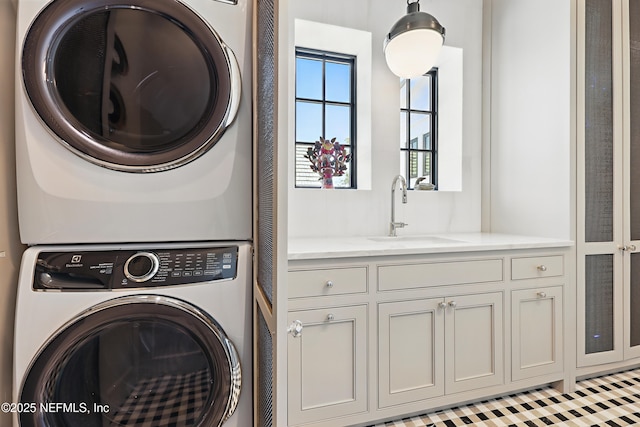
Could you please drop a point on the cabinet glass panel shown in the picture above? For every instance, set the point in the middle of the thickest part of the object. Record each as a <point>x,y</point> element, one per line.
<point>598,303</point>
<point>634,92</point>
<point>598,122</point>
<point>634,300</point>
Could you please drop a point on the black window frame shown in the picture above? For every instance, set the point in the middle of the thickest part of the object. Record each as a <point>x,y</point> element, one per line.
<point>327,56</point>
<point>406,148</point>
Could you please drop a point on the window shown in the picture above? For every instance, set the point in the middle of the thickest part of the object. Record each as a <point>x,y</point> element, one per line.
<point>325,106</point>
<point>418,128</point>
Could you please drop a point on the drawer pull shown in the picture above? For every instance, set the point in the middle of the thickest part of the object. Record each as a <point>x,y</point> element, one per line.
<point>330,317</point>
<point>542,267</point>
<point>542,294</point>
<point>442,305</point>
<point>453,304</point>
<point>329,284</point>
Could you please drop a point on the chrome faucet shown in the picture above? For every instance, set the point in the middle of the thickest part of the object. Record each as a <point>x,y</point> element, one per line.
<point>393,226</point>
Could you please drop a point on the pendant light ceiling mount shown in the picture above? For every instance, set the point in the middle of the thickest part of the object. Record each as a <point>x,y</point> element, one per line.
<point>412,45</point>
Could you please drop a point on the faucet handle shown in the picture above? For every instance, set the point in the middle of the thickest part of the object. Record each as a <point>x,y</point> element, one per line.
<point>399,224</point>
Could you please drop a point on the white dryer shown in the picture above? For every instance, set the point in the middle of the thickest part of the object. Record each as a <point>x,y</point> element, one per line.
<point>134,336</point>
<point>133,120</point>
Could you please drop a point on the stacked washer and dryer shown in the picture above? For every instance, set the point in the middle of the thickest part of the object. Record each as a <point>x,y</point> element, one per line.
<point>133,144</point>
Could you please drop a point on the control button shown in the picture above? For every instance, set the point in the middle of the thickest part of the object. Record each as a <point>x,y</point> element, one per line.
<point>187,274</point>
<point>176,274</point>
<point>197,273</point>
<point>141,266</point>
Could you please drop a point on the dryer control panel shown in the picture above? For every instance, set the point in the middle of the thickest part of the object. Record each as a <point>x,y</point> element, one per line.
<point>127,269</point>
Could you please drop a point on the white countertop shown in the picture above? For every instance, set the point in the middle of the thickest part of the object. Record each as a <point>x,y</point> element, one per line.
<point>345,247</point>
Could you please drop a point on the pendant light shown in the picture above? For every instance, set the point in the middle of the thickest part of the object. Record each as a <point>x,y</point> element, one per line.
<point>412,46</point>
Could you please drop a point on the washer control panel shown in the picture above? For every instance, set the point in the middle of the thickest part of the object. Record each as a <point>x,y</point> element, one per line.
<point>126,269</point>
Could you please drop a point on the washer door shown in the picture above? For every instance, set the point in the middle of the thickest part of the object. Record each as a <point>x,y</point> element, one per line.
<point>134,361</point>
<point>137,86</point>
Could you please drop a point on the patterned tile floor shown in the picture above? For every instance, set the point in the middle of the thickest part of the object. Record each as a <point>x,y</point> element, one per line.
<point>168,401</point>
<point>611,400</point>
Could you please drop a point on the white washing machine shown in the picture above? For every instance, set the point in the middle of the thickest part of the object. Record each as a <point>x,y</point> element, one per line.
<point>133,120</point>
<point>134,336</point>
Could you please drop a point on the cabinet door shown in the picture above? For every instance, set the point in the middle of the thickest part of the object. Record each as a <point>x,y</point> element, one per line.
<point>474,342</point>
<point>536,334</point>
<point>601,197</point>
<point>410,351</point>
<point>632,173</point>
<point>328,364</point>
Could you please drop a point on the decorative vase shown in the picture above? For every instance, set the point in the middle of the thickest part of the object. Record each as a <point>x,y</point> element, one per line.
<point>327,182</point>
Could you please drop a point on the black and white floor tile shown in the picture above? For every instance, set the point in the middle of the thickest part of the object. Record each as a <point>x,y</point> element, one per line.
<point>169,401</point>
<point>612,400</point>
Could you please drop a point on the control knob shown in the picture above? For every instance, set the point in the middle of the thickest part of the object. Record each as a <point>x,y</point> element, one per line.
<point>141,266</point>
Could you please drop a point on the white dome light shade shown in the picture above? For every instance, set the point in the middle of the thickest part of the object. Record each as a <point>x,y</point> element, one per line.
<point>413,53</point>
<point>414,42</point>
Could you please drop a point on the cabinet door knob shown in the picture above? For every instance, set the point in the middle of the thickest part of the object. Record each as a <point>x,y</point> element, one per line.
<point>442,305</point>
<point>542,294</point>
<point>330,317</point>
<point>295,329</point>
<point>453,304</point>
<point>542,267</point>
<point>329,284</point>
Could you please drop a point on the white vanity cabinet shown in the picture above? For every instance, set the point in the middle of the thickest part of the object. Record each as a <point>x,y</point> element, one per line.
<point>537,316</point>
<point>436,346</point>
<point>327,355</point>
<point>384,336</point>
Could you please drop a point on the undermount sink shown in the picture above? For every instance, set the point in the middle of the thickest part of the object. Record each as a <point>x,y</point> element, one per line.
<point>413,238</point>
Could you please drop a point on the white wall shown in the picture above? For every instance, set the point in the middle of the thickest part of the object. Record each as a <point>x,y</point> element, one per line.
<point>9,240</point>
<point>531,95</point>
<point>348,212</point>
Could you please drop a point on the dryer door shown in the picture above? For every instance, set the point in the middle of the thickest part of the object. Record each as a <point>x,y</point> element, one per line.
<point>134,361</point>
<point>136,86</point>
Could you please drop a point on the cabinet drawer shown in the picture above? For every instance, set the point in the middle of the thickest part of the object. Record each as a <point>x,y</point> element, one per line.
<point>331,281</point>
<point>534,267</point>
<point>409,276</point>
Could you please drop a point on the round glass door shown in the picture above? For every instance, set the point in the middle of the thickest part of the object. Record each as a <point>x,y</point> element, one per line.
<point>142,86</point>
<point>134,361</point>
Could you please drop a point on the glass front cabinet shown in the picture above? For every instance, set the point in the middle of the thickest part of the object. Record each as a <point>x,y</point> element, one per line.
<point>608,234</point>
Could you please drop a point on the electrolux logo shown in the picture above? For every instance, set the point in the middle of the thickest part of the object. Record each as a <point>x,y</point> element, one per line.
<point>75,262</point>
